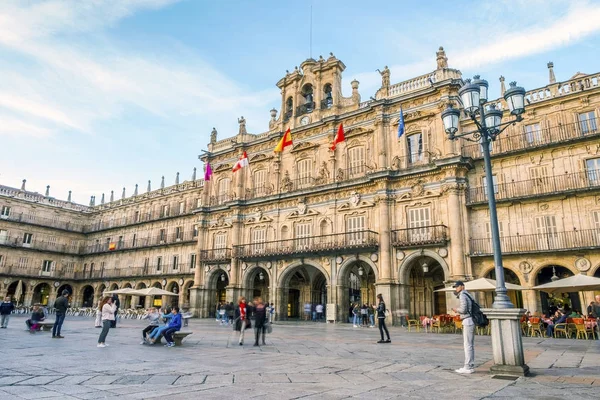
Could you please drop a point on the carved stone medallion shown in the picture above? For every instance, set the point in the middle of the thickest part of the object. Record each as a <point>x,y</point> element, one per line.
<point>583,264</point>
<point>525,267</point>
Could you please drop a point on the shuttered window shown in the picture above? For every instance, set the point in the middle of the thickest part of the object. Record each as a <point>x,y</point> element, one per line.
<point>356,161</point>
<point>259,236</point>
<point>419,222</point>
<point>219,245</point>
<point>533,133</point>
<point>304,173</point>
<point>302,235</point>
<point>355,227</point>
<point>260,182</point>
<point>415,147</point>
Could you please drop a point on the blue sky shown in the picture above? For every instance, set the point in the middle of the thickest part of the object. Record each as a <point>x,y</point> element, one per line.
<point>100,95</point>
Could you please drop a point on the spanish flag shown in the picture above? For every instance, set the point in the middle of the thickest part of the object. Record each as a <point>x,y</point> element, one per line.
<point>285,141</point>
<point>112,246</point>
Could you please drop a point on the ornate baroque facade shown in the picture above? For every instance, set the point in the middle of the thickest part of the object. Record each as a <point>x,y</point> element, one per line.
<point>380,214</point>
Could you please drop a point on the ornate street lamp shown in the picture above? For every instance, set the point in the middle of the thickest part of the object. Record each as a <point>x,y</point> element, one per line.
<point>261,276</point>
<point>488,120</point>
<point>223,278</point>
<point>361,271</point>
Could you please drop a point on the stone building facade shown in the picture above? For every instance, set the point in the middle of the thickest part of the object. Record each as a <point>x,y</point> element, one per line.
<point>402,216</point>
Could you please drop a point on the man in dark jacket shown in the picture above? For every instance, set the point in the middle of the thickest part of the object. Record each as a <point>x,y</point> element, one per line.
<point>6,308</point>
<point>260,320</point>
<point>60,305</point>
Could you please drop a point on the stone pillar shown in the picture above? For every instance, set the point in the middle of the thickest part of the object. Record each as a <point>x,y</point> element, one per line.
<point>530,300</point>
<point>381,143</point>
<point>457,230</point>
<point>385,264</point>
<point>507,345</point>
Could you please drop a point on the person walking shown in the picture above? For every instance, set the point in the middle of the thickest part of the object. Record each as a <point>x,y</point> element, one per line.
<point>6,308</point>
<point>381,320</point>
<point>241,318</point>
<point>364,315</point>
<point>464,310</point>
<point>229,310</point>
<point>355,315</point>
<point>260,320</point>
<point>60,305</point>
<point>108,316</point>
<point>271,313</point>
<point>372,315</point>
<point>117,304</point>
<point>319,310</point>
<point>173,326</point>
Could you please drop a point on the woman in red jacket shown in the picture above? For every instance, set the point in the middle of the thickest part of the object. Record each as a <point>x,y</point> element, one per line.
<point>241,318</point>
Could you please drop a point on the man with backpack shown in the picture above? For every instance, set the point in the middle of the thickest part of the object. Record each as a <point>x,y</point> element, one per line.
<point>465,312</point>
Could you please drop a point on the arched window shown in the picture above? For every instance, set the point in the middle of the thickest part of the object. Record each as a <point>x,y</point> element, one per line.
<point>289,109</point>
<point>223,194</point>
<point>307,93</point>
<point>415,148</point>
<point>304,173</point>
<point>356,161</point>
<point>327,101</point>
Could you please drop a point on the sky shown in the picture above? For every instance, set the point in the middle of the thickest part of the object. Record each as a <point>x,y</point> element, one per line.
<point>98,95</point>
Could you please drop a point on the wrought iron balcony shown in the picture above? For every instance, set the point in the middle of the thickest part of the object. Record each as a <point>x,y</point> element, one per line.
<point>135,272</point>
<point>540,242</point>
<point>215,255</point>
<point>421,236</point>
<point>335,243</point>
<point>15,270</point>
<point>298,183</point>
<point>220,199</point>
<point>585,180</point>
<point>32,219</point>
<point>514,142</point>
<point>137,243</point>
<point>305,108</point>
<point>260,191</point>
<point>40,244</point>
<point>412,160</point>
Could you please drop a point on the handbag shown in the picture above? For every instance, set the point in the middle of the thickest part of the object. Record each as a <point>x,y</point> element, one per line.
<point>248,323</point>
<point>269,328</point>
<point>237,325</point>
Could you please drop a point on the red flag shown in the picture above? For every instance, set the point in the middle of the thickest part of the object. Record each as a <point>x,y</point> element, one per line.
<point>339,137</point>
<point>241,163</point>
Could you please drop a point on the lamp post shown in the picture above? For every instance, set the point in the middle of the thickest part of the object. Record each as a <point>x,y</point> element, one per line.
<point>506,334</point>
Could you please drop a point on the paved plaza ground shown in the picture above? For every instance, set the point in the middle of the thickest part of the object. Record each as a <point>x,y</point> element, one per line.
<point>301,361</point>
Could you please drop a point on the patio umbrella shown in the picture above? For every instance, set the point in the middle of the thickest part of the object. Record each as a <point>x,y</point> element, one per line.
<point>483,285</point>
<point>126,291</point>
<point>19,291</point>
<point>575,283</point>
<point>152,291</point>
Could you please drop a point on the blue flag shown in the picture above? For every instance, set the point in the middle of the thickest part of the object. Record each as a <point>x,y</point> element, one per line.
<point>401,124</point>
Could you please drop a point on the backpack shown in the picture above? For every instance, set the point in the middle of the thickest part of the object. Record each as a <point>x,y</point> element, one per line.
<point>479,318</point>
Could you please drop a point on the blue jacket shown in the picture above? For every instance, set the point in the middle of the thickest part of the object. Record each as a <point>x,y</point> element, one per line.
<point>175,321</point>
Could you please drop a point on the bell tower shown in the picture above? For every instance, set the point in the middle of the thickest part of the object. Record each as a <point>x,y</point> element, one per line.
<point>311,91</point>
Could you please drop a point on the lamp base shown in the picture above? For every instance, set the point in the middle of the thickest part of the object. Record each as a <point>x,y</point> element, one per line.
<point>507,345</point>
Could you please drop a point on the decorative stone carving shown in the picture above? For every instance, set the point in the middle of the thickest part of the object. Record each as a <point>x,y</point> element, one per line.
<point>400,255</point>
<point>339,259</point>
<point>443,252</point>
<point>302,206</point>
<point>374,257</point>
<point>242,122</point>
<point>418,188</point>
<point>385,77</point>
<point>525,267</point>
<point>213,136</point>
<point>286,182</point>
<point>442,60</point>
<point>340,175</point>
<point>583,264</point>
<point>354,198</point>
<point>323,176</point>
<point>544,207</point>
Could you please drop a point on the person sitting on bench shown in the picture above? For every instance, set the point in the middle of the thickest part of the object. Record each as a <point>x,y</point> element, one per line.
<point>37,316</point>
<point>174,326</point>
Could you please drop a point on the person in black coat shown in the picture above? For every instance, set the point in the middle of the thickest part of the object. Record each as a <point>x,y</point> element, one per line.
<point>260,320</point>
<point>113,324</point>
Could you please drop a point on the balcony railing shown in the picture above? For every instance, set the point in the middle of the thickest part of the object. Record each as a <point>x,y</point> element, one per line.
<point>305,108</point>
<point>412,160</point>
<point>160,240</point>
<point>15,270</point>
<point>151,270</point>
<point>421,236</point>
<point>42,245</point>
<point>43,221</point>
<point>540,242</point>
<point>338,242</point>
<point>538,186</point>
<point>260,191</point>
<point>215,254</point>
<point>220,199</point>
<point>513,142</point>
<point>120,222</point>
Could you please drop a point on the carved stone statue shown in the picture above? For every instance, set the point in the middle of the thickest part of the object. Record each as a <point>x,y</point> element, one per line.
<point>442,60</point>
<point>242,122</point>
<point>213,136</point>
<point>323,173</point>
<point>286,182</point>
<point>340,175</point>
<point>385,77</point>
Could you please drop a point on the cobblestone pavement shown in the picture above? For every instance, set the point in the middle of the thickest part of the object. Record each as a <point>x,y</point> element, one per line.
<point>302,360</point>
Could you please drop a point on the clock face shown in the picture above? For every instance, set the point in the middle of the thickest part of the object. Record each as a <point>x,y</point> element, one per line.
<point>305,120</point>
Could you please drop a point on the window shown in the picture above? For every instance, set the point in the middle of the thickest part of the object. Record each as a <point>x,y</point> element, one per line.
<point>304,173</point>
<point>587,122</point>
<point>259,236</point>
<point>159,263</point>
<point>223,195</point>
<point>356,161</point>
<point>52,240</point>
<point>179,233</point>
<point>3,236</point>
<point>419,220</point>
<point>5,212</point>
<point>488,230</point>
<point>547,233</point>
<point>136,216</point>
<point>146,264</point>
<point>133,240</point>
<point>192,260</point>
<point>181,207</point>
<point>484,183</point>
<point>175,262</point>
<point>27,238</point>
<point>195,231</point>
<point>30,217</point>
<point>415,147</point>
<point>1,259</point>
<point>539,178</point>
<point>198,202</point>
<point>303,234</point>
<point>355,227</point>
<point>592,167</point>
<point>162,236</point>
<point>219,245</point>
<point>596,219</point>
<point>23,261</point>
<point>164,211</point>
<point>260,182</point>
<point>533,133</point>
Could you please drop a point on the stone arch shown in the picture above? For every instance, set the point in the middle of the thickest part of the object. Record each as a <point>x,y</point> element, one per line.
<point>41,293</point>
<point>248,274</point>
<point>214,274</point>
<point>87,296</point>
<point>11,289</point>
<point>127,285</point>
<point>292,295</point>
<point>536,270</point>
<point>595,271</point>
<point>254,285</point>
<point>113,286</point>
<point>286,274</point>
<point>348,262</point>
<point>67,287</point>
<point>140,301</point>
<point>516,296</point>
<point>173,286</point>
<point>185,298</point>
<point>406,265</point>
<point>517,273</point>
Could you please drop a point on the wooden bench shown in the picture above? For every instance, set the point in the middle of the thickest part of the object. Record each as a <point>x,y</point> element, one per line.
<point>177,337</point>
<point>46,325</point>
